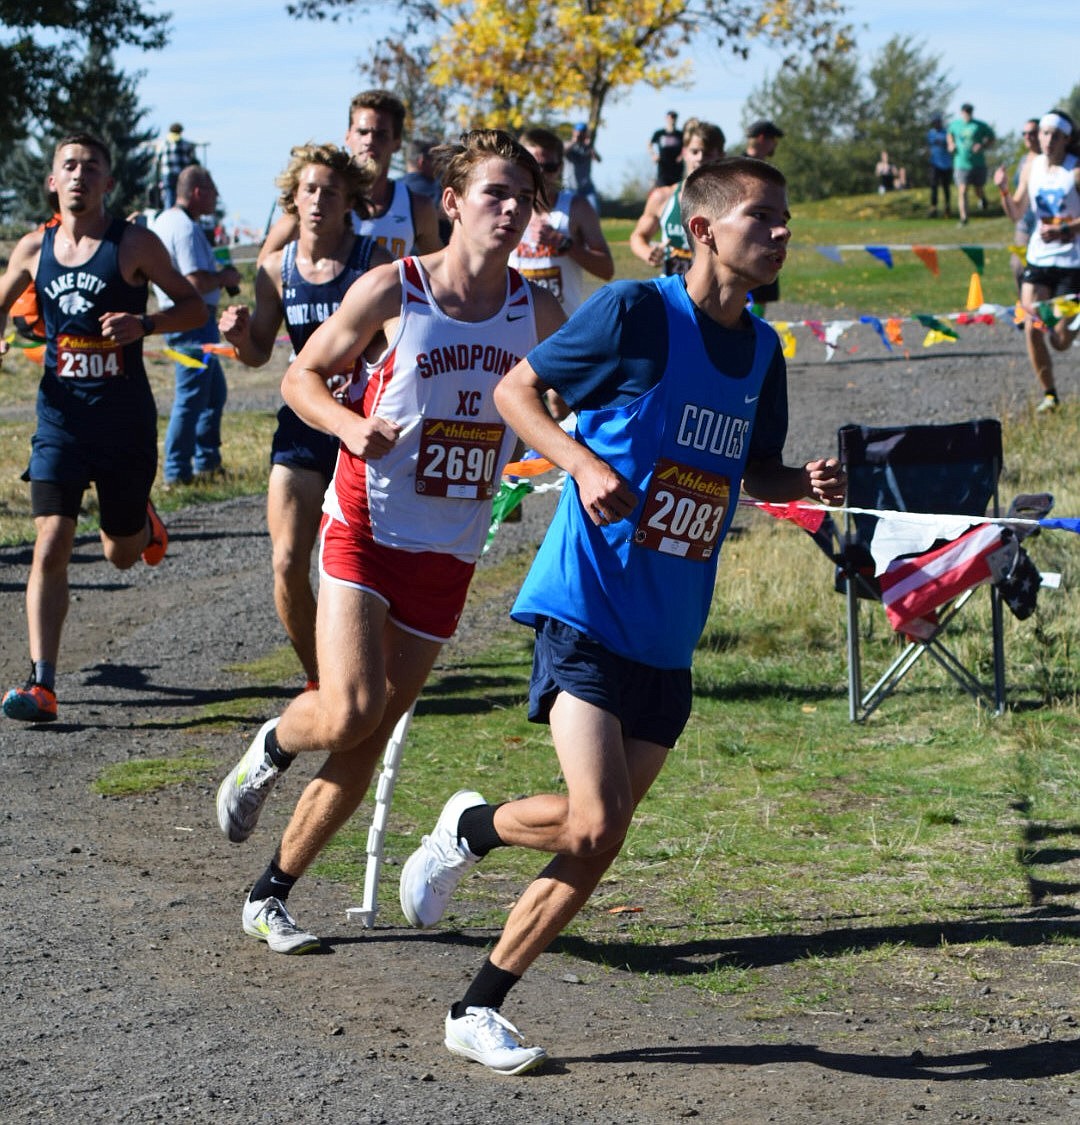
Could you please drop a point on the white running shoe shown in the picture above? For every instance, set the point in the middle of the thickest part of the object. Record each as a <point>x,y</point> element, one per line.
<point>436,867</point>
<point>268,920</point>
<point>241,796</point>
<point>485,1036</point>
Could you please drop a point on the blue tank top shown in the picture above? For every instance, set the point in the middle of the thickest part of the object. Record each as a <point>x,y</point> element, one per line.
<point>307,304</point>
<point>89,383</point>
<point>642,587</point>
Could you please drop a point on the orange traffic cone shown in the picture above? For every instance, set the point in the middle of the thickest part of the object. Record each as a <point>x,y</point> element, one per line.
<point>975,294</point>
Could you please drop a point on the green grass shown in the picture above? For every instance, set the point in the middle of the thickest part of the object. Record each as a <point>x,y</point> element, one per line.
<point>861,282</point>
<point>135,778</point>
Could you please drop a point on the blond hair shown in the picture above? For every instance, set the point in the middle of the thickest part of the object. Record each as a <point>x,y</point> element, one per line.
<point>357,178</point>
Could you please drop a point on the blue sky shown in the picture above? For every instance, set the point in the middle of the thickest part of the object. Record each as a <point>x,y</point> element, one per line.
<point>249,82</point>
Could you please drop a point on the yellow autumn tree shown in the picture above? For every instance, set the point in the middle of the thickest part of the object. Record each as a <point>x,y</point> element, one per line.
<point>511,61</point>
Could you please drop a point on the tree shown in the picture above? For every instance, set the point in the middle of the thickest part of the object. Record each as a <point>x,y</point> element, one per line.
<point>103,101</point>
<point>1071,104</point>
<point>836,121</point>
<point>510,61</point>
<point>906,89</point>
<point>822,113</point>
<point>42,43</point>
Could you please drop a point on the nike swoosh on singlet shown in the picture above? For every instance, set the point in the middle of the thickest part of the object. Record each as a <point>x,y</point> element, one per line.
<point>749,400</point>
<point>513,318</point>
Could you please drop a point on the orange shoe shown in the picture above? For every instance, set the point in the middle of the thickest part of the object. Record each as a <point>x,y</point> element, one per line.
<point>31,704</point>
<point>154,551</point>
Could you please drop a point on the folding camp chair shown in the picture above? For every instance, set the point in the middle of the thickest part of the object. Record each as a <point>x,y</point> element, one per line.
<point>948,469</point>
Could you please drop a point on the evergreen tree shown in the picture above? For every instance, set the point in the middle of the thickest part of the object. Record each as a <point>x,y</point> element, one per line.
<point>41,47</point>
<point>100,100</point>
<point>822,112</point>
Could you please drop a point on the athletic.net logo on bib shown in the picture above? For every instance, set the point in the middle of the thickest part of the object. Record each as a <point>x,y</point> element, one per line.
<point>458,459</point>
<point>88,357</point>
<point>683,511</point>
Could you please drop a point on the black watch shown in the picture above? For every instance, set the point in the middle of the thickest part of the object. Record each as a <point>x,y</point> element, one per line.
<point>147,325</point>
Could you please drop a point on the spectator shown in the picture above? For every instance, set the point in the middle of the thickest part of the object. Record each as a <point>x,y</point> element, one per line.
<point>420,179</point>
<point>420,176</point>
<point>762,138</point>
<point>174,155</point>
<point>937,142</point>
<point>969,139</point>
<point>580,155</point>
<point>193,439</point>
<point>665,147</point>
<point>886,173</point>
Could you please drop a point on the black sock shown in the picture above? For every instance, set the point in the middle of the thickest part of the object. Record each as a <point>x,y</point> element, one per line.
<point>477,828</point>
<point>488,990</point>
<point>272,883</point>
<point>281,758</point>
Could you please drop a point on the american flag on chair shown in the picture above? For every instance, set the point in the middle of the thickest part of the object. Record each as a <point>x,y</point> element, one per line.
<point>912,588</point>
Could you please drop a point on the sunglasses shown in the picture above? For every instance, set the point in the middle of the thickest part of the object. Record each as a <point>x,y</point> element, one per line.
<point>550,165</point>
<point>1031,132</point>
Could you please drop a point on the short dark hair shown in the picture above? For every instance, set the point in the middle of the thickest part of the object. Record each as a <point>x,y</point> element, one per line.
<point>457,162</point>
<point>967,107</point>
<point>382,101</point>
<point>420,147</point>
<point>87,140</point>
<point>717,187</point>
<point>543,138</point>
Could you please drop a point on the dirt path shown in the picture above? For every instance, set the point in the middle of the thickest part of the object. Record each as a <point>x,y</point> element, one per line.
<point>131,994</point>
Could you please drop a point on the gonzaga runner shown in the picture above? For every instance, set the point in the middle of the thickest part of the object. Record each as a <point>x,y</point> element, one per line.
<point>303,284</point>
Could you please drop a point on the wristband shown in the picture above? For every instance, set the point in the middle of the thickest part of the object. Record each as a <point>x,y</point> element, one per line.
<point>147,324</point>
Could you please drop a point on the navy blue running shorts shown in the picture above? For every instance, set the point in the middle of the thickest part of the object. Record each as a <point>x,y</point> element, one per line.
<point>1057,279</point>
<point>60,474</point>
<point>300,446</point>
<point>652,704</point>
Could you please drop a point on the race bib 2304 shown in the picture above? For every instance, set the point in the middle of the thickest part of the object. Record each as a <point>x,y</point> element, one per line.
<point>88,357</point>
